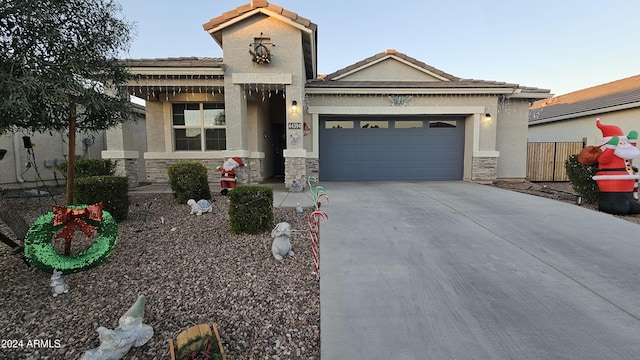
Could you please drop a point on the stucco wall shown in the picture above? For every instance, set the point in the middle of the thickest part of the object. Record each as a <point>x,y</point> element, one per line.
<point>155,123</point>
<point>584,127</point>
<point>389,70</point>
<point>48,150</point>
<point>511,139</point>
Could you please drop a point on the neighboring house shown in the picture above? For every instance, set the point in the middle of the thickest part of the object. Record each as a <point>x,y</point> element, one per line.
<point>387,117</point>
<point>28,167</point>
<point>572,117</point>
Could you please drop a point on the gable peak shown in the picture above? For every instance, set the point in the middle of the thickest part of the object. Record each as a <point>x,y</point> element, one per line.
<point>259,3</point>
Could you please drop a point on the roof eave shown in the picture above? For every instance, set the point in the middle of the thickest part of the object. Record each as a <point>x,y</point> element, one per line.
<point>216,31</point>
<point>377,61</point>
<point>585,113</point>
<point>407,90</point>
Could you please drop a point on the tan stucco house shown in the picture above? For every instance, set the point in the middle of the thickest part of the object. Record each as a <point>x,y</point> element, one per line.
<point>572,116</point>
<point>387,117</point>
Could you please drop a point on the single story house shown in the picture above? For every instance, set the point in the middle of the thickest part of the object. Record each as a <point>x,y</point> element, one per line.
<point>572,117</point>
<point>387,117</point>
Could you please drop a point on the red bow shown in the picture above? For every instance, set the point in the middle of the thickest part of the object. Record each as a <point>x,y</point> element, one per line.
<point>74,218</point>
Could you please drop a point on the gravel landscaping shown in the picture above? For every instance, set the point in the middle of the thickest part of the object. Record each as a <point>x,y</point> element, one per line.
<point>561,191</point>
<point>190,268</point>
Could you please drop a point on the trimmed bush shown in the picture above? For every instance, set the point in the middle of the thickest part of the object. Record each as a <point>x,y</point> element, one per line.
<point>251,209</point>
<point>112,191</point>
<point>189,180</point>
<point>90,167</point>
<point>581,179</point>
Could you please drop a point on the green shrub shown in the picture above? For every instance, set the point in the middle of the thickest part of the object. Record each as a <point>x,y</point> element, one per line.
<point>189,180</point>
<point>112,191</point>
<point>581,179</point>
<point>251,209</point>
<point>90,167</point>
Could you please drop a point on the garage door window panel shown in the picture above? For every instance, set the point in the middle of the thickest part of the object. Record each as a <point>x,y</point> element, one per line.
<point>409,124</point>
<point>338,124</point>
<point>374,124</point>
<point>443,124</point>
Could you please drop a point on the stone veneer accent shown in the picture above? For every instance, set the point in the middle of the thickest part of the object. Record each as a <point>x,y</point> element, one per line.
<point>157,169</point>
<point>295,170</point>
<point>128,168</point>
<point>484,169</point>
<point>313,168</point>
<point>256,170</point>
<point>253,171</point>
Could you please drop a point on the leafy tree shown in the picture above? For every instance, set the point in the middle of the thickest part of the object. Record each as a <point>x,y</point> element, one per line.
<point>59,67</point>
<point>55,53</point>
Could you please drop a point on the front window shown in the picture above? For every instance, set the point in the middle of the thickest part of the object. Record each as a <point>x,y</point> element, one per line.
<point>192,120</point>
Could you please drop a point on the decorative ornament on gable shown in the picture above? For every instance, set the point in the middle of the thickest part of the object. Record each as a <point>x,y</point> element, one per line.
<point>399,100</point>
<point>259,50</point>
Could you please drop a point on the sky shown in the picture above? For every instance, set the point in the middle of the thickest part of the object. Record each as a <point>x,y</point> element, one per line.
<point>560,45</point>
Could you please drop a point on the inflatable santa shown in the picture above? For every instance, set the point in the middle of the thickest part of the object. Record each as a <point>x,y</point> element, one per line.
<point>228,177</point>
<point>617,179</point>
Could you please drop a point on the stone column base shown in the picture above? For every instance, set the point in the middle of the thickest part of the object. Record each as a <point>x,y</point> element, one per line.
<point>295,173</point>
<point>485,169</point>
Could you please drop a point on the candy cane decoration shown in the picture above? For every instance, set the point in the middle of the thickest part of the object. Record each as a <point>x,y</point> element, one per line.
<point>317,192</point>
<point>315,218</point>
<point>633,140</point>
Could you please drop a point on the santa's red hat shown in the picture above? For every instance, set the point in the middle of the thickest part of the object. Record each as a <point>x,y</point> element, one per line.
<point>238,161</point>
<point>609,131</point>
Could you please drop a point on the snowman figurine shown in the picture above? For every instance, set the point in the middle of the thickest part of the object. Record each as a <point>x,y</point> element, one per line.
<point>58,286</point>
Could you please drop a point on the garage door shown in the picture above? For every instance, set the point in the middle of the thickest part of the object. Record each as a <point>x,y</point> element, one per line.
<point>382,149</point>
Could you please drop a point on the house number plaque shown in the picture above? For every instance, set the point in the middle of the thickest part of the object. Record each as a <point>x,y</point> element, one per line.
<point>294,125</point>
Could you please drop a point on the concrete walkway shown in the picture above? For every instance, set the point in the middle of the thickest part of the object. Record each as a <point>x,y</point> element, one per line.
<point>454,270</point>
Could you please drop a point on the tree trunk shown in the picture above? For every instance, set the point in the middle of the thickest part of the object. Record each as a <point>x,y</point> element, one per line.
<point>72,152</point>
<point>71,165</point>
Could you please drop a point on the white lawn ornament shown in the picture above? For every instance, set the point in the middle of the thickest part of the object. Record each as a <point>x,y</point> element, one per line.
<point>58,285</point>
<point>202,206</point>
<point>281,245</point>
<point>114,344</point>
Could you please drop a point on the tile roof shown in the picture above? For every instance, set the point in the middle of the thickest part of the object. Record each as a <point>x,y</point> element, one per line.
<point>614,87</point>
<point>175,62</point>
<point>332,80</point>
<point>600,98</point>
<point>387,53</point>
<point>309,36</point>
<point>257,4</point>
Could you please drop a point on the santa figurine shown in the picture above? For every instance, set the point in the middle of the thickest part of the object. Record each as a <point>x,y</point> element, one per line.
<point>228,177</point>
<point>617,179</point>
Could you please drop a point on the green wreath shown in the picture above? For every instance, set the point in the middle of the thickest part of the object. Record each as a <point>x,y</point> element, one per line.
<point>39,250</point>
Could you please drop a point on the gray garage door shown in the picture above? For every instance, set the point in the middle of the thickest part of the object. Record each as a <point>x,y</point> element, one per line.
<point>379,149</point>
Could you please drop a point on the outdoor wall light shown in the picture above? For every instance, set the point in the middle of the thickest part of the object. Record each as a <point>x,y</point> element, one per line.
<point>487,118</point>
<point>294,106</point>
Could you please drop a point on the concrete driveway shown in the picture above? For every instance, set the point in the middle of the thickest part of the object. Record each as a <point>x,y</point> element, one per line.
<point>454,270</point>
